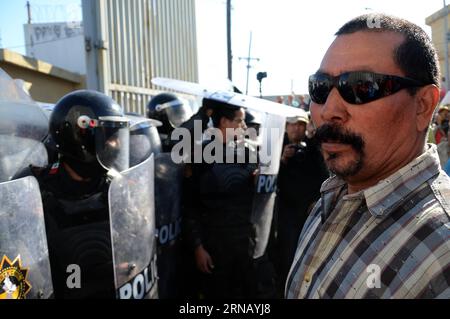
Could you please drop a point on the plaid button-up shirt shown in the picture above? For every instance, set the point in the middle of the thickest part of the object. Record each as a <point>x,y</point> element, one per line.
<point>391,240</point>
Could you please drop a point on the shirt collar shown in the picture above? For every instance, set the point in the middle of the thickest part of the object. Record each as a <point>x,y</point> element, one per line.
<point>382,198</point>
<point>385,196</point>
<point>331,190</point>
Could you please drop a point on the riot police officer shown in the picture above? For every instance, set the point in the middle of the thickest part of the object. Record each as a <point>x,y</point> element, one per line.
<point>91,136</point>
<point>174,273</point>
<point>24,265</point>
<point>218,202</point>
<point>175,112</point>
<point>171,111</point>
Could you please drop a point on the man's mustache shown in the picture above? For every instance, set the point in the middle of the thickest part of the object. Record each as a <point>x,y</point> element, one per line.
<point>338,134</point>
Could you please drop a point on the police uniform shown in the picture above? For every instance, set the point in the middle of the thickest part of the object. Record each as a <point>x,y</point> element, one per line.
<point>78,233</point>
<point>91,137</point>
<point>218,202</point>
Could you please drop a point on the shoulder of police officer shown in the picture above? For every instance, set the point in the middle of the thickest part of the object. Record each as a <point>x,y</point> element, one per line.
<point>30,170</point>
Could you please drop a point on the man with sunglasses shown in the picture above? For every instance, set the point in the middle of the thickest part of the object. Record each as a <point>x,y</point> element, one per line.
<point>381,228</point>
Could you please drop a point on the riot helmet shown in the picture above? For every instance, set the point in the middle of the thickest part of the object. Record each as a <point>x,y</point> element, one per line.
<point>170,110</point>
<point>89,127</point>
<point>144,138</point>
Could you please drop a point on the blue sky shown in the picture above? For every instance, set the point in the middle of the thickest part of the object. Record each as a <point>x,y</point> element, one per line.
<point>289,36</point>
<point>13,15</point>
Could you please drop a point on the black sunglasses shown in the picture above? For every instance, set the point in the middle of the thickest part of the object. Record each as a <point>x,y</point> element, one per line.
<point>357,87</point>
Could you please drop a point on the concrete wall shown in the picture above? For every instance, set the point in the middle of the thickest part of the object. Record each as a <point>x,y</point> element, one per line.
<point>130,42</point>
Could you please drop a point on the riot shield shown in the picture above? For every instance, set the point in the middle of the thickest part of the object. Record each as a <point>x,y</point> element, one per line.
<point>168,185</point>
<point>25,268</point>
<point>272,134</point>
<point>22,128</point>
<point>132,219</point>
<point>11,90</point>
<point>245,101</point>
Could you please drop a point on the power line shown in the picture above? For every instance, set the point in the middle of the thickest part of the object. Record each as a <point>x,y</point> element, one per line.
<point>47,13</point>
<point>31,10</point>
<point>43,42</point>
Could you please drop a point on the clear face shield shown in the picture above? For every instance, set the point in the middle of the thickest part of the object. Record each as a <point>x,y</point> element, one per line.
<point>177,112</point>
<point>144,140</point>
<point>112,140</point>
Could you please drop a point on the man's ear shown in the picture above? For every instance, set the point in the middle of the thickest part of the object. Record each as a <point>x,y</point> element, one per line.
<point>427,99</point>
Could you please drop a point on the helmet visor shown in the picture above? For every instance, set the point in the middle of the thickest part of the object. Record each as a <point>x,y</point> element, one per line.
<point>144,140</point>
<point>112,140</point>
<point>177,112</point>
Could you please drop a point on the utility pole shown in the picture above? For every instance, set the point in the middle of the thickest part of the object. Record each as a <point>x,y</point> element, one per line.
<point>29,12</point>
<point>97,63</point>
<point>229,53</point>
<point>29,49</point>
<point>446,35</point>
<point>249,58</point>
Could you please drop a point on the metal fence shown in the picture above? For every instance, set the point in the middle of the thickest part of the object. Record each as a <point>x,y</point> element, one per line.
<point>128,42</point>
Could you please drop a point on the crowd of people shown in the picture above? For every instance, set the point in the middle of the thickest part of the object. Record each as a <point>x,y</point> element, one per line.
<point>439,135</point>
